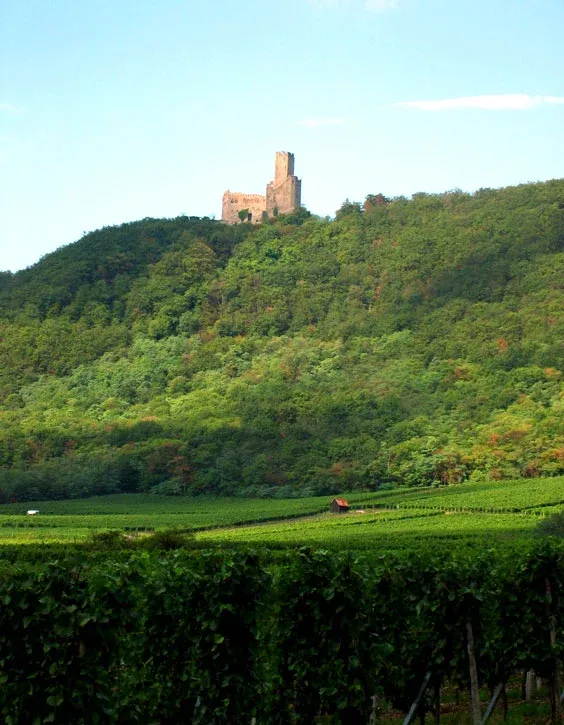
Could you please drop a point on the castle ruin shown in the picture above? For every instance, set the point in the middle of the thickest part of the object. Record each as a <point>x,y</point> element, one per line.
<point>283,195</point>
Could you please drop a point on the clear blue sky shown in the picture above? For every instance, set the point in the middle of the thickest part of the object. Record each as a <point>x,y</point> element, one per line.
<point>115,110</point>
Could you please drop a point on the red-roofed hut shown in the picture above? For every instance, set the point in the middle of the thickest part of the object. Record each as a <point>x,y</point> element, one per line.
<point>339,506</point>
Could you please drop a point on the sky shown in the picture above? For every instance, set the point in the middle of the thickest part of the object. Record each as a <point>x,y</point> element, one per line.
<point>117,110</point>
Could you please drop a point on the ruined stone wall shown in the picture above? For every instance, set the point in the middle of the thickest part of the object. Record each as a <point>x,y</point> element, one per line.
<point>283,194</point>
<point>234,202</point>
<point>283,166</point>
<point>283,198</point>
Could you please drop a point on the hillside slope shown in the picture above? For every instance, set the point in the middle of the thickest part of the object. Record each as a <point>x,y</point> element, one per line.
<point>406,342</point>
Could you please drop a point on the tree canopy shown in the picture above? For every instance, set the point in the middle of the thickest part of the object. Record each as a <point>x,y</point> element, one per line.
<point>406,342</point>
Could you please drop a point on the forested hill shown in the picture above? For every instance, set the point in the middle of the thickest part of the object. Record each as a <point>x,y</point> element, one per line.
<point>406,342</point>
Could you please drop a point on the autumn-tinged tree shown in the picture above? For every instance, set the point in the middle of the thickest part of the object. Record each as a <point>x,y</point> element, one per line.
<point>408,342</point>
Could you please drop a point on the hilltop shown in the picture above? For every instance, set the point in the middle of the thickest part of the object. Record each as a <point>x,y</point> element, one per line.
<point>406,342</point>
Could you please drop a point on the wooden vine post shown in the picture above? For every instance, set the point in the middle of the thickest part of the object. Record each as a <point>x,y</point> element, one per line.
<point>438,705</point>
<point>529,685</point>
<point>555,701</point>
<point>499,690</point>
<point>415,707</point>
<point>474,685</point>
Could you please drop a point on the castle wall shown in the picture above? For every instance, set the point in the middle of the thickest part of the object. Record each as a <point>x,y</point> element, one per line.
<point>234,202</point>
<point>283,194</point>
<point>283,167</point>
<point>284,197</point>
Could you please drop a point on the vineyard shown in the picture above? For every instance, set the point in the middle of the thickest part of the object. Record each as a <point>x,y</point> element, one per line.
<point>276,612</point>
<point>386,531</point>
<point>285,638</point>
<point>508,496</point>
<point>391,519</point>
<point>75,520</point>
<point>501,512</point>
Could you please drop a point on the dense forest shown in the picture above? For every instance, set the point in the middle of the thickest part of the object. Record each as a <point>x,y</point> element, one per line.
<point>405,342</point>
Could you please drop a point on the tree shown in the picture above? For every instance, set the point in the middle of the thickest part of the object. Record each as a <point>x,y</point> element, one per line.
<point>348,208</point>
<point>375,200</point>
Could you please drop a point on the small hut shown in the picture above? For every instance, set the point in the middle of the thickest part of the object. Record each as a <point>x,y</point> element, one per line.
<point>339,506</point>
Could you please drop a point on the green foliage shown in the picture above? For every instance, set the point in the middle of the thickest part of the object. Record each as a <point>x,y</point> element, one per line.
<point>326,646</point>
<point>552,526</point>
<point>296,217</point>
<point>408,342</point>
<point>348,208</point>
<point>107,540</point>
<point>62,642</point>
<point>200,638</point>
<point>504,513</point>
<point>215,636</point>
<point>167,539</point>
<point>117,521</point>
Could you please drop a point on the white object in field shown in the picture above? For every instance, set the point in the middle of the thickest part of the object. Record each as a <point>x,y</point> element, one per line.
<point>32,512</point>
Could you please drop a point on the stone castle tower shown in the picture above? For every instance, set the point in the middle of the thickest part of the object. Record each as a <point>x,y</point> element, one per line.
<point>283,195</point>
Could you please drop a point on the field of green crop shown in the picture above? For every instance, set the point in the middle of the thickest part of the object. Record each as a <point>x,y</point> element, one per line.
<point>507,496</point>
<point>395,530</point>
<point>501,510</point>
<point>430,543</point>
<point>496,512</point>
<point>74,520</point>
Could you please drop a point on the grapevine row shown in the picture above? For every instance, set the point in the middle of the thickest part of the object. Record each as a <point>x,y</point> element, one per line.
<point>224,636</point>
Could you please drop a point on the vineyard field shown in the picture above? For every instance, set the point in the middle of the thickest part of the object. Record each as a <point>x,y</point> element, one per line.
<point>390,530</point>
<point>512,496</point>
<point>394,519</point>
<point>305,636</point>
<point>267,591</point>
<point>75,520</point>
